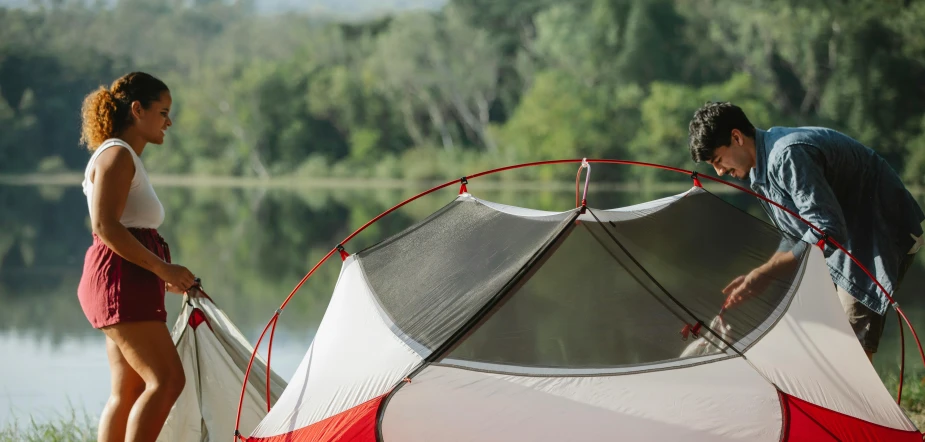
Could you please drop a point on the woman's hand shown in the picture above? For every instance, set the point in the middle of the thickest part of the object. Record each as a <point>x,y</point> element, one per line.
<point>178,278</point>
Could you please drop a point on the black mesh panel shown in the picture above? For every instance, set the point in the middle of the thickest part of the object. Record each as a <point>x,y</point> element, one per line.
<point>432,277</point>
<point>591,305</point>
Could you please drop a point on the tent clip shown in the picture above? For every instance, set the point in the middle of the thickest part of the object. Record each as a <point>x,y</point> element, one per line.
<point>822,241</point>
<point>696,330</point>
<point>343,253</point>
<point>685,332</point>
<point>581,200</point>
<point>584,197</point>
<point>462,187</point>
<point>691,330</point>
<point>696,180</point>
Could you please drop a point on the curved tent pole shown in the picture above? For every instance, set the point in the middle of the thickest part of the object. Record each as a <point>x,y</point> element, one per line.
<point>275,318</point>
<point>901,316</point>
<point>584,163</point>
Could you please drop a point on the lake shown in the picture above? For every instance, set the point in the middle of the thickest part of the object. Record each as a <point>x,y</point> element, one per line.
<point>250,246</point>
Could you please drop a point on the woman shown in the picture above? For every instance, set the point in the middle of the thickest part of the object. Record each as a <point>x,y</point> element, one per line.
<point>127,269</point>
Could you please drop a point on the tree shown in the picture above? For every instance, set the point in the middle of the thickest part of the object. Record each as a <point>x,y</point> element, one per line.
<point>442,68</point>
<point>843,64</point>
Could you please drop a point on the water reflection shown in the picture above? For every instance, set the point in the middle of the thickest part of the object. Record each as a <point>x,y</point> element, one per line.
<point>250,247</point>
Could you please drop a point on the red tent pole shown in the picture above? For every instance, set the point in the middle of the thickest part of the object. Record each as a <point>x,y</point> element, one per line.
<point>464,180</point>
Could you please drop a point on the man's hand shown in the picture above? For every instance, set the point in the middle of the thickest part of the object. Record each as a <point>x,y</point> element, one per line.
<point>780,266</point>
<point>746,286</point>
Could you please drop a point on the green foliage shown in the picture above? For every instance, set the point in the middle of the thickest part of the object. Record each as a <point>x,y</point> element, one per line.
<point>913,400</point>
<point>666,111</point>
<point>419,95</point>
<point>561,119</point>
<point>429,93</point>
<point>71,428</point>
<point>852,65</point>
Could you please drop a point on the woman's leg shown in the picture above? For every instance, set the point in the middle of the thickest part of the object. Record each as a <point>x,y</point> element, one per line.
<point>126,387</point>
<point>149,350</point>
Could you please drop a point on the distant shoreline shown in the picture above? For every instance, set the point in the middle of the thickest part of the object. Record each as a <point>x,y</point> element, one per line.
<point>294,183</point>
<point>162,180</point>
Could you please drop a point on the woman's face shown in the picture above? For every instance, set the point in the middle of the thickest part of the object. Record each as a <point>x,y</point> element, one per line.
<point>153,122</point>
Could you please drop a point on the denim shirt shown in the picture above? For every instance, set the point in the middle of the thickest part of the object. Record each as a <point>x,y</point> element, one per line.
<point>850,193</point>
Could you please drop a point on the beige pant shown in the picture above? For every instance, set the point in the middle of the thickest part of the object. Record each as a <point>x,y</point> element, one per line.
<point>867,324</point>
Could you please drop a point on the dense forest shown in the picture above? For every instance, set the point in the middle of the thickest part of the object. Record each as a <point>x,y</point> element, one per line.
<point>430,92</point>
<point>474,84</point>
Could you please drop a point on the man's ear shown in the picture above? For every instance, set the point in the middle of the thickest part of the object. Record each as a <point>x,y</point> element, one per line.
<point>737,138</point>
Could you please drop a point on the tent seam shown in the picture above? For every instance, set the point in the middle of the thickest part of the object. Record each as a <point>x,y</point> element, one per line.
<point>670,296</point>
<point>789,301</point>
<point>386,319</point>
<point>473,321</point>
<point>699,361</point>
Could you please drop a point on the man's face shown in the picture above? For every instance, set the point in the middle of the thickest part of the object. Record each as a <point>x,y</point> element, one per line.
<point>734,159</point>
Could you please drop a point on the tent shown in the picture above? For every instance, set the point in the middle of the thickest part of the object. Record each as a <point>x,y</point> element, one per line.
<point>215,356</point>
<point>490,322</point>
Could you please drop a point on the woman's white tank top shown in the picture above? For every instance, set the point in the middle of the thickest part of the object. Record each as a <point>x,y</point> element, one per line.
<point>142,209</point>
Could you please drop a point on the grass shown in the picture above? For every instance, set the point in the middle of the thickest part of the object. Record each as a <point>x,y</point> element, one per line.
<point>913,396</point>
<point>68,428</point>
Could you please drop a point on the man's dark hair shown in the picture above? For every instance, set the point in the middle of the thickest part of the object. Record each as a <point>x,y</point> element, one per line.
<point>712,127</point>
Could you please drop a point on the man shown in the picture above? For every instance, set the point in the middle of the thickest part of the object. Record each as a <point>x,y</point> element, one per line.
<point>835,183</point>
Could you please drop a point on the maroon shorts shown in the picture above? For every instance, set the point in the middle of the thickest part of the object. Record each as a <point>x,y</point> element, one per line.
<point>114,290</point>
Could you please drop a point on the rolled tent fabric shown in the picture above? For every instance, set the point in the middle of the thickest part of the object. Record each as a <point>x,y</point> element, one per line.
<point>215,355</point>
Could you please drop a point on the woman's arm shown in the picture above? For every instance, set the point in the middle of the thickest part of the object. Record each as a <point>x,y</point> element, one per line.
<point>112,179</point>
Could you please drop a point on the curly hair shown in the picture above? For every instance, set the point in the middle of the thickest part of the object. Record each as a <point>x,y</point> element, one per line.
<point>712,127</point>
<point>106,112</point>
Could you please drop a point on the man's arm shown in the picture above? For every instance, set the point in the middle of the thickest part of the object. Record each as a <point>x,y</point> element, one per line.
<point>799,171</point>
<point>779,267</point>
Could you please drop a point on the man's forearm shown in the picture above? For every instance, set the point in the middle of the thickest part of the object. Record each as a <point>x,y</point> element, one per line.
<point>781,262</point>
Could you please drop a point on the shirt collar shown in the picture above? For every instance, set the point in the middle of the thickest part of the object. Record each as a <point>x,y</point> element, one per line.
<point>759,174</point>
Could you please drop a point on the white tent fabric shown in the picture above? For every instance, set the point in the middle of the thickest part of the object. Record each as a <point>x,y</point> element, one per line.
<point>215,354</point>
<point>646,207</point>
<point>721,401</point>
<point>812,353</point>
<point>355,357</point>
<point>795,371</point>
